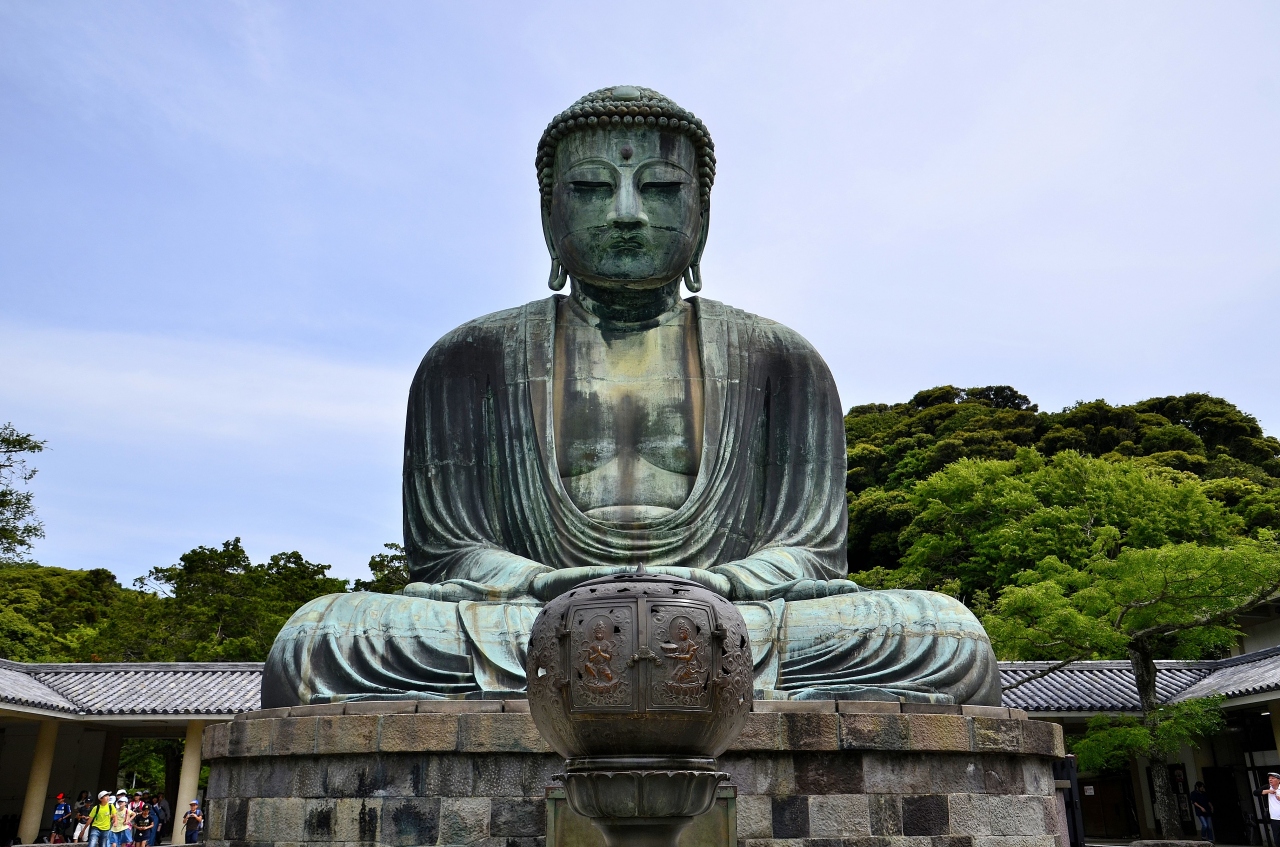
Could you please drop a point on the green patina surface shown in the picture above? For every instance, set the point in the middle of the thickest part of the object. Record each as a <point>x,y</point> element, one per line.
<point>622,425</point>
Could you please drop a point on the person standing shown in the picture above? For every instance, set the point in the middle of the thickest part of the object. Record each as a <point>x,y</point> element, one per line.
<point>121,834</point>
<point>83,807</point>
<point>144,825</point>
<point>1272,795</point>
<point>166,814</point>
<point>1204,811</point>
<point>191,822</point>
<point>61,816</point>
<point>100,819</point>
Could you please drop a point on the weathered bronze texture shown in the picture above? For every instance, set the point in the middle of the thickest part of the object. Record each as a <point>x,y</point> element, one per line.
<point>639,664</point>
<point>640,681</point>
<point>575,437</point>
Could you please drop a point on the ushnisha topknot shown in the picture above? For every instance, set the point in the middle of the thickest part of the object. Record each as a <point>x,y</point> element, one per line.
<point>625,105</point>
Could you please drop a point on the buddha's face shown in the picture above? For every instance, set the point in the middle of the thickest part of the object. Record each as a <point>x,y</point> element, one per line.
<point>625,208</point>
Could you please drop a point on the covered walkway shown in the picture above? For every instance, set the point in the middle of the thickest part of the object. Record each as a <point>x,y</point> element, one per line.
<point>62,727</point>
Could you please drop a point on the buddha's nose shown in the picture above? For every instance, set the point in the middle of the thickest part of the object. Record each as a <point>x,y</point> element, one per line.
<point>627,213</point>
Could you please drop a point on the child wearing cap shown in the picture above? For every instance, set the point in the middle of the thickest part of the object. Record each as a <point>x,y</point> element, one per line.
<point>191,822</point>
<point>100,819</point>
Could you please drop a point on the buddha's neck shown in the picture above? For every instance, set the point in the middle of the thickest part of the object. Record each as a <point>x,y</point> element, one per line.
<point>624,310</point>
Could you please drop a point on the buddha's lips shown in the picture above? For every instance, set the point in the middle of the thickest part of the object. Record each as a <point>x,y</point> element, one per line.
<point>627,243</point>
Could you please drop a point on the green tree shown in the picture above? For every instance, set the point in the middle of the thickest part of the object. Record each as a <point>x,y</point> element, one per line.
<point>214,605</point>
<point>975,524</point>
<point>47,613</point>
<point>390,571</point>
<point>1180,599</point>
<point>894,447</point>
<point>19,527</point>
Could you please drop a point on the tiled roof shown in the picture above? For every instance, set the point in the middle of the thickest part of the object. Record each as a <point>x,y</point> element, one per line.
<point>1093,686</point>
<point>188,688</point>
<point>1240,676</point>
<point>20,689</point>
<point>143,688</point>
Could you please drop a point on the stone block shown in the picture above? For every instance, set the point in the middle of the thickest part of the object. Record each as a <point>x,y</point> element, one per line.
<point>356,819</point>
<point>996,734</point>
<point>499,733</point>
<point>1037,777</point>
<point>338,734</point>
<point>518,817</point>
<point>828,773</point>
<point>215,741</point>
<point>839,816</point>
<point>410,821</point>
<point>1002,815</point>
<point>763,731</point>
<point>317,709</point>
<point>885,813</point>
<point>930,732</point>
<point>920,773</point>
<point>1015,841</point>
<point>263,714</point>
<point>869,707</point>
<point>319,820</point>
<point>985,711</point>
<point>792,706</point>
<point>249,738</point>
<point>454,707</point>
<point>236,822</point>
<point>381,707</point>
<point>516,706</point>
<point>464,820</point>
<point>931,709</point>
<point>1018,714</point>
<point>293,737</point>
<point>807,731</point>
<point>1001,775</point>
<point>874,732</point>
<point>418,733</point>
<point>760,774</point>
<point>925,814</point>
<point>215,818</point>
<point>790,817</point>
<point>1042,738</point>
<point>357,776</point>
<point>755,816</point>
<point>274,819</point>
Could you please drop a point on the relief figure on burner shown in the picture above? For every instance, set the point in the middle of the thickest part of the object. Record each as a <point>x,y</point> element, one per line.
<point>620,423</point>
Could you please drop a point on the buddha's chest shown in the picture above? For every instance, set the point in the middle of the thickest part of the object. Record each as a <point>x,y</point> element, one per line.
<point>628,418</point>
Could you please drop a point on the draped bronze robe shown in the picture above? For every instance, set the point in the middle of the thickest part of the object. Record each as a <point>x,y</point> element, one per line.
<point>485,511</point>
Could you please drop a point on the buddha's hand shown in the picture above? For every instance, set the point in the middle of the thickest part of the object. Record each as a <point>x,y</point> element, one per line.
<point>548,586</point>
<point>453,590</point>
<point>816,589</point>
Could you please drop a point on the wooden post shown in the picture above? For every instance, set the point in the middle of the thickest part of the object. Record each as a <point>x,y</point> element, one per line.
<point>189,781</point>
<point>38,782</point>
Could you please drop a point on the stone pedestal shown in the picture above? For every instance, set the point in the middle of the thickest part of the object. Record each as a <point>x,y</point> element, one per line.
<point>810,774</point>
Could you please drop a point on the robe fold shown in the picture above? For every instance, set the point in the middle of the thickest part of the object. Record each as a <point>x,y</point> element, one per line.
<point>486,513</point>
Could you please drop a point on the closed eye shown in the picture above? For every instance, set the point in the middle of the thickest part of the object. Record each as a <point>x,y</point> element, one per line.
<point>662,186</point>
<point>588,185</point>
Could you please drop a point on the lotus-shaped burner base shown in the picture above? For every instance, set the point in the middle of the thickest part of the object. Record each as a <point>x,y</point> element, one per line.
<point>641,801</point>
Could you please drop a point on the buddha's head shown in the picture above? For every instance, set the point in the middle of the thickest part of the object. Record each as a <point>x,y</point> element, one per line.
<point>626,180</point>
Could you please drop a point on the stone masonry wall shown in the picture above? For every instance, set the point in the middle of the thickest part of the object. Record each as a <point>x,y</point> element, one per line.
<point>808,774</point>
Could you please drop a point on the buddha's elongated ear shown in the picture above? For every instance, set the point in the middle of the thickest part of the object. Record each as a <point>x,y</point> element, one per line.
<point>557,278</point>
<point>693,274</point>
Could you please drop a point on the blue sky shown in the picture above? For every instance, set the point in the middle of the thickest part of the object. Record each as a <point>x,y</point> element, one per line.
<point>230,230</point>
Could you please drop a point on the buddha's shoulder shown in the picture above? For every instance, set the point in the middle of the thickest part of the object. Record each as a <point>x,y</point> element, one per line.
<point>765,335</point>
<point>490,333</point>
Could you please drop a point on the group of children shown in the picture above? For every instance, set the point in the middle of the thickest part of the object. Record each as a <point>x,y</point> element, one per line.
<point>116,821</point>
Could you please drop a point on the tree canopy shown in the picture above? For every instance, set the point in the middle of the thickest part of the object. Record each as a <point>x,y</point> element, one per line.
<point>894,447</point>
<point>19,527</point>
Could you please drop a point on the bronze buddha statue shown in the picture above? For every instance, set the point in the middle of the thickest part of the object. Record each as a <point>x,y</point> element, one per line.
<point>621,425</point>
